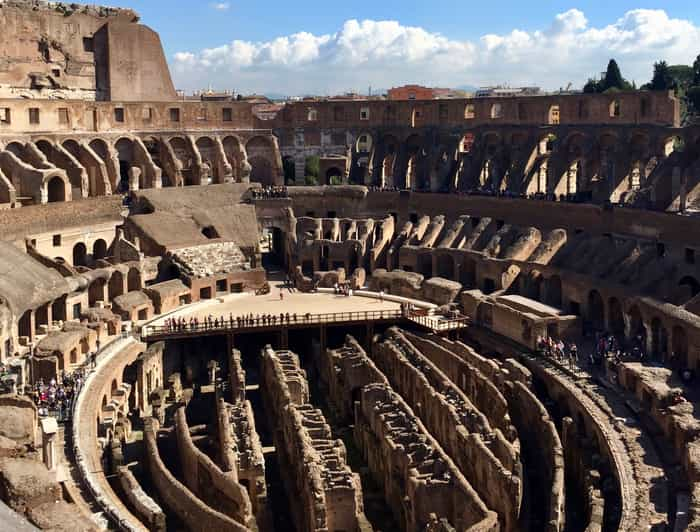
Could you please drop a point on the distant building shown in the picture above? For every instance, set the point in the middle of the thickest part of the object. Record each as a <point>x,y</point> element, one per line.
<point>411,92</point>
<point>494,92</point>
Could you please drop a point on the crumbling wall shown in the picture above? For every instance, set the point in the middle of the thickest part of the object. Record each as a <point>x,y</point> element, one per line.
<point>146,508</point>
<point>418,479</point>
<point>177,497</point>
<point>217,488</point>
<point>461,429</point>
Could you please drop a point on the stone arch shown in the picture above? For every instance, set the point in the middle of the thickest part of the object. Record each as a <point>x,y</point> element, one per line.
<point>134,280</point>
<point>208,152</point>
<point>80,254</point>
<point>232,148</point>
<point>57,189</point>
<point>261,156</point>
<point>72,146</point>
<point>496,111</point>
<point>334,176</point>
<point>533,285</point>
<point>553,115</point>
<point>125,151</point>
<point>596,310</point>
<point>96,291</point>
<point>691,284</point>
<point>364,143</point>
<point>389,149</point>
<point>467,273</point>
<point>466,143</point>
<point>290,169</point>
<point>184,155</point>
<point>116,285</point>
<point>616,319</point>
<point>99,249</point>
<point>45,146</point>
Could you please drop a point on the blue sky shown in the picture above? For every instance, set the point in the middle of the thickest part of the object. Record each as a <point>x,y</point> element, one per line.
<point>309,46</point>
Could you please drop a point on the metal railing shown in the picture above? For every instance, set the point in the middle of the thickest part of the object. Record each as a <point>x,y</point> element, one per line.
<point>439,323</point>
<point>216,325</point>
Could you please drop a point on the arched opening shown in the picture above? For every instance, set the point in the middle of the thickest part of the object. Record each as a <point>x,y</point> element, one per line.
<point>207,151</point>
<point>116,285</point>
<point>96,291</point>
<point>125,150</point>
<point>261,155</point>
<point>133,279</point>
<point>553,115</point>
<point>261,170</point>
<point>232,149</point>
<point>334,176</point>
<point>616,318</point>
<point>99,249</point>
<point>496,111</point>
<point>596,311</point>
<point>210,232</point>
<point>467,142</point>
<point>290,170</point>
<point>113,387</point>
<point>79,254</point>
<point>691,285</point>
<point>56,190</point>
<point>679,341</point>
<point>364,143</point>
<point>533,286</point>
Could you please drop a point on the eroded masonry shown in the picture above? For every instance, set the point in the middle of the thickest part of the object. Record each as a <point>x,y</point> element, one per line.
<point>485,318</point>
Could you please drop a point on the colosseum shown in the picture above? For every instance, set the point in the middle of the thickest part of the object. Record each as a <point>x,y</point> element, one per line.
<point>485,317</point>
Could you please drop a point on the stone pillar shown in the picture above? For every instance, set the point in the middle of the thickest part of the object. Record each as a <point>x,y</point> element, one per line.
<point>134,178</point>
<point>49,431</point>
<point>284,338</point>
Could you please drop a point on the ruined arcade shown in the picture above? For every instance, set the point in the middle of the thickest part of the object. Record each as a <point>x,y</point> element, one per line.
<point>485,316</point>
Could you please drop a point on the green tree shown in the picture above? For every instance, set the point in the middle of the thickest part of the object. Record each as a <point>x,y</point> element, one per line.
<point>311,170</point>
<point>613,78</point>
<point>696,71</point>
<point>592,86</point>
<point>693,96</point>
<point>662,79</point>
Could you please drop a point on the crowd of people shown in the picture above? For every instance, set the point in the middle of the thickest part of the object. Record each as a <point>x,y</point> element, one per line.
<point>558,350</point>
<point>270,192</point>
<point>55,398</point>
<point>193,323</point>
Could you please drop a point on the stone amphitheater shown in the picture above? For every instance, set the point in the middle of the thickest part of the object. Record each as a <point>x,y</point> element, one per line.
<point>485,318</point>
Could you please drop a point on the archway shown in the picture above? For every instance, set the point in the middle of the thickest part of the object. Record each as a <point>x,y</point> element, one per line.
<point>133,279</point>
<point>692,286</point>
<point>232,149</point>
<point>261,171</point>
<point>56,190</point>
<point>290,170</point>
<point>116,285</point>
<point>637,330</point>
<point>467,274</point>
<point>207,152</point>
<point>125,150</point>
<point>334,176</point>
<point>99,249</point>
<point>79,254</point>
<point>596,311</point>
<point>184,155</point>
<point>96,291</point>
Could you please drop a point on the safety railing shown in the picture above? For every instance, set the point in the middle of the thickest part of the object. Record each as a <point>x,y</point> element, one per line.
<point>267,321</point>
<point>439,323</point>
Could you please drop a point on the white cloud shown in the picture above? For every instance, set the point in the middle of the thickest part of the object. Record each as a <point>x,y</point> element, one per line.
<point>386,53</point>
<point>221,6</point>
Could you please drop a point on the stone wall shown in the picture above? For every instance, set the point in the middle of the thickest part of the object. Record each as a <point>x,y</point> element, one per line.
<point>312,462</point>
<point>186,505</point>
<point>412,467</point>
<point>218,489</point>
<point>146,508</point>
<point>414,286</point>
<point>540,437</point>
<point>483,455</point>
